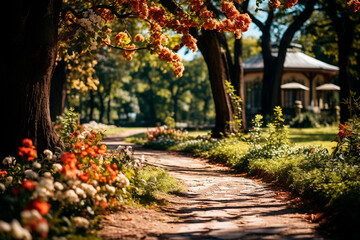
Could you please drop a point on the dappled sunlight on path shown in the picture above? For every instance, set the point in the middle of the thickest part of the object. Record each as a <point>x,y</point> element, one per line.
<point>219,204</point>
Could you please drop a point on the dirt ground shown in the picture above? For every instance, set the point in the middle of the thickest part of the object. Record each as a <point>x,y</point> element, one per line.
<point>217,204</point>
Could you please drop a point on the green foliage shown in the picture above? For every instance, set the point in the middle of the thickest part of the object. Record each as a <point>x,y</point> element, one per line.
<point>236,102</point>
<point>305,120</point>
<point>152,181</point>
<point>66,124</point>
<point>278,131</point>
<point>255,132</point>
<point>169,121</point>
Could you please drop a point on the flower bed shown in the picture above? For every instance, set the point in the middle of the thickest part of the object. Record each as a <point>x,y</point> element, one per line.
<point>64,194</point>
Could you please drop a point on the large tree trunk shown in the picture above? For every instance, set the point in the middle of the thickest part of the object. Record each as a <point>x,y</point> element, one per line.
<point>58,90</point>
<point>91,105</point>
<point>27,73</point>
<point>345,41</point>
<point>102,105</point>
<point>274,66</point>
<point>268,60</point>
<point>345,25</point>
<point>215,59</point>
<point>152,107</point>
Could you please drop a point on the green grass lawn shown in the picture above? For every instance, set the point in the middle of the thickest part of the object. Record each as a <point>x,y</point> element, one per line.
<point>117,130</point>
<point>301,136</point>
<point>314,136</point>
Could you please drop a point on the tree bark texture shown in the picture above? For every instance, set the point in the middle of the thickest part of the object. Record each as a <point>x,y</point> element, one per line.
<point>345,26</point>
<point>58,90</point>
<point>208,43</point>
<point>27,74</point>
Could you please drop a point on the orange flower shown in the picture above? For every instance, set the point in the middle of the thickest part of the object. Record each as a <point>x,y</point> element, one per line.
<point>119,38</point>
<point>78,146</point>
<point>139,38</point>
<point>70,161</point>
<point>69,171</point>
<point>29,185</point>
<point>101,149</point>
<point>290,3</point>
<point>354,5</point>
<point>3,173</point>
<point>83,154</point>
<point>84,176</point>
<point>343,132</point>
<point>28,153</point>
<point>42,206</point>
<point>27,142</point>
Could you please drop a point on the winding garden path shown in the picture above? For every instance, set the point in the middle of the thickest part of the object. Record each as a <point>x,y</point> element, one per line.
<point>217,204</point>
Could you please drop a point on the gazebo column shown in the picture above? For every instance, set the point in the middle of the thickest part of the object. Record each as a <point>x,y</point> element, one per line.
<point>311,76</point>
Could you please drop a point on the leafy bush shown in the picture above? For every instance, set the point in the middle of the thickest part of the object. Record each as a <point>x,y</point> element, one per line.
<point>305,120</point>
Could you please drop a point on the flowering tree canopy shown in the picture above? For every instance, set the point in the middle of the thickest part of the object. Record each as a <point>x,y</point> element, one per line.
<point>85,25</point>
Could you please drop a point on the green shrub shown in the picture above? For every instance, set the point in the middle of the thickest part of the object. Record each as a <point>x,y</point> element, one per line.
<point>305,120</point>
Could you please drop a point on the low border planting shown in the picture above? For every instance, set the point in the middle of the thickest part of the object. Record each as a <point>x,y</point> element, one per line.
<point>65,194</point>
<point>330,182</point>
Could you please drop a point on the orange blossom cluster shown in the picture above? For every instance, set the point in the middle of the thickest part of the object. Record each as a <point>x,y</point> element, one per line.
<point>290,3</point>
<point>354,5</point>
<point>27,151</point>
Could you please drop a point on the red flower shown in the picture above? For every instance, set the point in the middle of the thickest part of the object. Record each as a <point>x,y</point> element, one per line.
<point>42,206</point>
<point>343,132</point>
<point>27,142</point>
<point>84,176</point>
<point>78,146</point>
<point>29,185</point>
<point>28,150</point>
<point>3,173</point>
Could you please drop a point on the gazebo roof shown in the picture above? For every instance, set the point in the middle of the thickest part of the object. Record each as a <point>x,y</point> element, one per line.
<point>295,61</point>
<point>294,86</point>
<point>328,87</point>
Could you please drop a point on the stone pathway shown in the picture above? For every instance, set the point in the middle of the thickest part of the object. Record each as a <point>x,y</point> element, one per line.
<point>219,204</point>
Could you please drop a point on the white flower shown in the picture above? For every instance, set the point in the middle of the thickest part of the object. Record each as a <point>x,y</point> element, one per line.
<point>110,189</point>
<point>30,174</point>
<point>80,222</point>
<point>29,215</point>
<point>18,232</point>
<point>71,196</point>
<point>47,175</point>
<point>47,183</point>
<point>58,186</point>
<point>80,192</point>
<point>57,167</point>
<point>9,160</point>
<point>49,154</point>
<point>2,187</point>
<point>42,228</point>
<point>9,180</point>
<point>4,226</point>
<point>90,210</point>
<point>89,189</point>
<point>123,182</point>
<point>36,165</point>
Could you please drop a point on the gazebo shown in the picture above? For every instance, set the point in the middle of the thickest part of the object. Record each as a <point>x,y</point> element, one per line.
<point>302,76</point>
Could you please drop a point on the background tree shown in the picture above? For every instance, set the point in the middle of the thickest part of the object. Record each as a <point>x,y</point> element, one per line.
<point>274,65</point>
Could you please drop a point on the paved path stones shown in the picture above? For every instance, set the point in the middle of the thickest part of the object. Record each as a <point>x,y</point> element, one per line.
<point>219,204</point>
